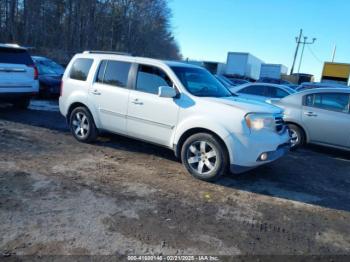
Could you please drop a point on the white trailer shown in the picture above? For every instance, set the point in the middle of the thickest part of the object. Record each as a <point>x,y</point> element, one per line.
<point>213,67</point>
<point>243,64</point>
<point>274,71</point>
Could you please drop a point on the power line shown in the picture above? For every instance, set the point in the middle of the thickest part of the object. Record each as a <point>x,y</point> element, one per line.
<point>305,42</point>
<point>314,55</point>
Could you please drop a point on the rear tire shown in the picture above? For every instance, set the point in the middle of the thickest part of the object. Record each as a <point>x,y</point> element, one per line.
<point>297,136</point>
<point>204,157</point>
<point>82,125</point>
<point>22,103</point>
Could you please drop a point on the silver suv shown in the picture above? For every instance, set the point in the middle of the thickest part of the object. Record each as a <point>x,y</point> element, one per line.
<point>18,76</point>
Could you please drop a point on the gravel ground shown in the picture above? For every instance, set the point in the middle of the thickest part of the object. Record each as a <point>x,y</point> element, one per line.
<point>121,196</point>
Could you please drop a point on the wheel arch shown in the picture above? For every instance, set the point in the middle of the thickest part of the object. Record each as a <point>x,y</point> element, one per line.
<point>196,130</point>
<point>80,104</point>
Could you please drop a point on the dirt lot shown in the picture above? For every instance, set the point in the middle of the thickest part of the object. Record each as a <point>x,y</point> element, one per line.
<point>120,196</point>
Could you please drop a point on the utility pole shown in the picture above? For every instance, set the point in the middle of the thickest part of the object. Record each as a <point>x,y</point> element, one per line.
<point>305,42</point>
<point>298,39</point>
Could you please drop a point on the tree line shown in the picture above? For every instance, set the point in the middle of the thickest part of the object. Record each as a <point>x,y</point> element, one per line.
<point>61,28</point>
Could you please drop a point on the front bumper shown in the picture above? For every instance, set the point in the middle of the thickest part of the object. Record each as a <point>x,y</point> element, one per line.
<point>272,156</point>
<point>245,151</point>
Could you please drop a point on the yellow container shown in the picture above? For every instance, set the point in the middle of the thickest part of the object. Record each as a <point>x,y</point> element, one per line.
<point>336,71</point>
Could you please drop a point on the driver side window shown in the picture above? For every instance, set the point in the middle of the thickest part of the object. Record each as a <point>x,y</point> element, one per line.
<point>150,78</point>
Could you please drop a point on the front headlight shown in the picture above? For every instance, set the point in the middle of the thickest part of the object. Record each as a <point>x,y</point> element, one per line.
<point>257,121</point>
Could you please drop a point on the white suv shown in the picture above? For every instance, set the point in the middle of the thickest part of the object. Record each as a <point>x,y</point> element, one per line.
<point>18,76</point>
<point>179,106</point>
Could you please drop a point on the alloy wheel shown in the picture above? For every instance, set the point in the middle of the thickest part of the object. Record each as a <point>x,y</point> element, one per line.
<point>294,138</point>
<point>202,157</point>
<point>81,125</point>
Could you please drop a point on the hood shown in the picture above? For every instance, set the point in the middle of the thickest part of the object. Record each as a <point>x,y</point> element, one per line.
<point>247,105</point>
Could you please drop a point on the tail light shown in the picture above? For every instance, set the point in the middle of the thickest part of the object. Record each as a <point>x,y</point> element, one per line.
<point>36,72</point>
<point>61,88</point>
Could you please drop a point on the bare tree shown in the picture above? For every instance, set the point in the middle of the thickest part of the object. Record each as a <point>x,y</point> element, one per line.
<point>60,28</point>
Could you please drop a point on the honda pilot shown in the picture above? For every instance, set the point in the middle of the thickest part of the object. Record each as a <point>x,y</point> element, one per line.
<point>176,105</point>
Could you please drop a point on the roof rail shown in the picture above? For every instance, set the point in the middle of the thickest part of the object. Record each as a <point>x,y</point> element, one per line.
<point>106,52</point>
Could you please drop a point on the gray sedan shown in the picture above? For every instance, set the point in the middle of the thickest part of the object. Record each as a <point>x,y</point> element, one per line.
<point>318,116</point>
<point>262,91</point>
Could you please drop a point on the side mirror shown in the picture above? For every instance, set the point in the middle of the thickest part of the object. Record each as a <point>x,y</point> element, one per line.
<point>166,91</point>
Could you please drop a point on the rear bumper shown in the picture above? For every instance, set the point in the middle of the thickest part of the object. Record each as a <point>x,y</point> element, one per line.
<point>9,97</point>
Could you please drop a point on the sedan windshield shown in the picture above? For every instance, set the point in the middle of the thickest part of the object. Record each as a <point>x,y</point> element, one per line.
<point>200,82</point>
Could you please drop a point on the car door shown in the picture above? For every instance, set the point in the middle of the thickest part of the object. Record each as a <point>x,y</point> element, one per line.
<point>151,117</point>
<point>110,94</point>
<point>255,92</point>
<point>326,118</point>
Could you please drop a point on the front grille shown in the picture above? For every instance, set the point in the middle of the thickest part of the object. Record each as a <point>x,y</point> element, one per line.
<point>279,123</point>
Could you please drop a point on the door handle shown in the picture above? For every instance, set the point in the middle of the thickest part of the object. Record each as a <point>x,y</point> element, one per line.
<point>136,102</point>
<point>96,92</point>
<point>310,114</point>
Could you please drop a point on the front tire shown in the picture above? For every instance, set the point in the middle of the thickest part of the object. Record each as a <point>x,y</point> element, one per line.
<point>297,136</point>
<point>82,125</point>
<point>204,157</point>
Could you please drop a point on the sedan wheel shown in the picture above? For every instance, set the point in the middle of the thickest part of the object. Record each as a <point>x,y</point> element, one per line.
<point>297,137</point>
<point>294,138</point>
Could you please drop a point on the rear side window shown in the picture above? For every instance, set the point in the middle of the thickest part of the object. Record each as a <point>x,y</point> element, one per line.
<point>309,100</point>
<point>150,78</point>
<point>254,90</point>
<point>15,56</point>
<point>329,101</point>
<point>80,69</point>
<point>114,73</point>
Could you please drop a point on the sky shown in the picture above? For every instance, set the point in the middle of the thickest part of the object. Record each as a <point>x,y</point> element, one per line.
<point>208,29</point>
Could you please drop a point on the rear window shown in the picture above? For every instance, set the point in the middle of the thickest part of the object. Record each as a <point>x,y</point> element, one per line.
<point>15,56</point>
<point>276,92</point>
<point>254,90</point>
<point>80,69</point>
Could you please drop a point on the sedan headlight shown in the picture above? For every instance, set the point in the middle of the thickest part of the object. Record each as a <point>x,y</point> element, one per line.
<point>257,121</point>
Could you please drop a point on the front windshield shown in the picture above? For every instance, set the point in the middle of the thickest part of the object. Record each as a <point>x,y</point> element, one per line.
<point>200,82</point>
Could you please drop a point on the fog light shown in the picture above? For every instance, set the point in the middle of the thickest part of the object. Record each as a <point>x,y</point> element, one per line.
<point>263,157</point>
